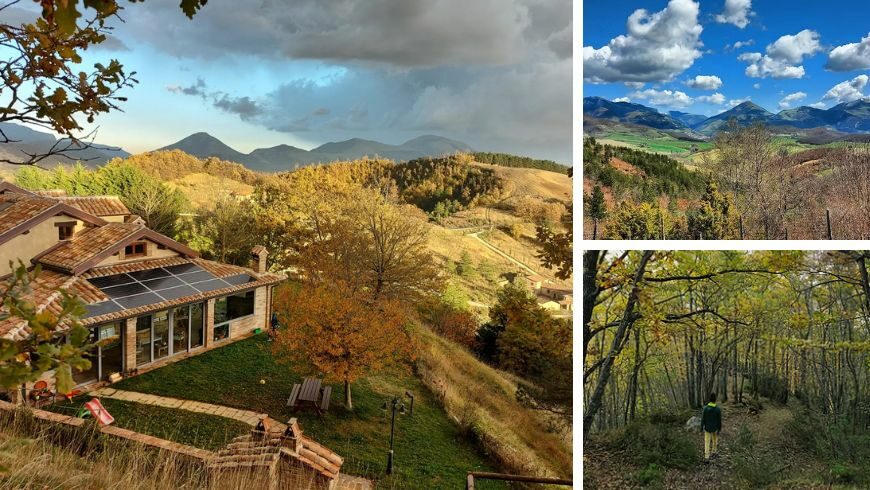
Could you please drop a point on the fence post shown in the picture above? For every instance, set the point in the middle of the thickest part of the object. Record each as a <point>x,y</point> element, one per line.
<point>828,219</point>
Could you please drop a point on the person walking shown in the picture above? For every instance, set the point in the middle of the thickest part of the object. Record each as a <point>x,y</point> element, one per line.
<point>711,424</point>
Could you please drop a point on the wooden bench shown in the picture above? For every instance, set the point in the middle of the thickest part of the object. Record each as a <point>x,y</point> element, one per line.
<point>294,395</point>
<point>324,401</point>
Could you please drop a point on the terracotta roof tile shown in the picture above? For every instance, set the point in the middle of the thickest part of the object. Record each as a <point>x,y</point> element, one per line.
<point>97,205</point>
<point>16,209</point>
<point>87,244</point>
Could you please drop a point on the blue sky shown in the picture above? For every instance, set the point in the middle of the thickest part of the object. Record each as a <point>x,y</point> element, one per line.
<point>788,53</point>
<point>495,74</point>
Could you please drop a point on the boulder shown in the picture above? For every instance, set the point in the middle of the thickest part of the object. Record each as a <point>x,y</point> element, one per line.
<point>693,424</point>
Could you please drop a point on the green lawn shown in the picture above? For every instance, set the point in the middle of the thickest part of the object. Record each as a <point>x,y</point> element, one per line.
<point>430,450</point>
<point>191,428</point>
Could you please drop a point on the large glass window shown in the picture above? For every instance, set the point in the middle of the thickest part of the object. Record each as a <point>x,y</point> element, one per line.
<point>230,308</point>
<point>93,373</point>
<point>111,350</point>
<point>196,325</point>
<point>143,340</point>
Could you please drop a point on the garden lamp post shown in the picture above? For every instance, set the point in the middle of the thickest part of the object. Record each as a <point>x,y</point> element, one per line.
<point>396,405</point>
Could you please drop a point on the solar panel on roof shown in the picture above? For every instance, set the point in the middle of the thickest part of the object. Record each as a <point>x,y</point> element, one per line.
<point>102,308</point>
<point>197,277</point>
<point>239,279</point>
<point>183,268</point>
<point>153,286</point>
<point>139,300</point>
<point>177,292</point>
<point>148,274</point>
<point>212,285</point>
<point>125,290</point>
<point>163,283</point>
<point>108,281</point>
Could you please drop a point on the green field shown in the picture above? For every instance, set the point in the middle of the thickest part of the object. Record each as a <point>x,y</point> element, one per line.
<point>667,145</point>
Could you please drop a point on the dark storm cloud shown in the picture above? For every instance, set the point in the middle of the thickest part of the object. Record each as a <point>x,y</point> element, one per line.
<point>493,73</point>
<point>244,107</point>
<point>397,32</point>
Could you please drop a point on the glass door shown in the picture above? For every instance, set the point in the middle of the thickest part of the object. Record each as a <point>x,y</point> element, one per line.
<point>143,340</point>
<point>161,339</point>
<point>196,325</point>
<point>180,329</point>
<point>93,373</point>
<point>111,352</point>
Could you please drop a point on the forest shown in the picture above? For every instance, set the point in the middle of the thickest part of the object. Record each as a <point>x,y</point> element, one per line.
<point>781,337</point>
<point>507,160</point>
<point>765,187</point>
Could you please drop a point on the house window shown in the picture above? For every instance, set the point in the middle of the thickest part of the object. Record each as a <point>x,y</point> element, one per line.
<point>137,249</point>
<point>230,308</point>
<point>65,230</point>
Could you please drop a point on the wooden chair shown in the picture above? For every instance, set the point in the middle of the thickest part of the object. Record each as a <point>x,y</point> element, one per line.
<point>294,395</point>
<point>324,401</point>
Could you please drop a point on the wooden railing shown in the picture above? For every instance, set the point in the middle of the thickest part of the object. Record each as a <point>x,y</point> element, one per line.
<point>480,475</point>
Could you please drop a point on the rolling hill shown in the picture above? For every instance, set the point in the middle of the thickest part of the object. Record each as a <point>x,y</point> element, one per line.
<point>285,157</point>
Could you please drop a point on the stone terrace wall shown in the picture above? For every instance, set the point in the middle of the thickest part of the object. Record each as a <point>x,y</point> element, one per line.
<point>9,410</point>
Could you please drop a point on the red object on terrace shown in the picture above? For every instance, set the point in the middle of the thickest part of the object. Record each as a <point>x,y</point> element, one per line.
<point>99,412</point>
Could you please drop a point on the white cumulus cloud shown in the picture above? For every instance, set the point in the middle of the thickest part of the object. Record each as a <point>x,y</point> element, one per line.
<point>622,99</point>
<point>657,47</point>
<point>704,82</point>
<point>736,12</point>
<point>818,105</point>
<point>783,57</point>
<point>852,56</point>
<point>848,91</point>
<point>736,102</point>
<point>716,99</point>
<point>789,99</point>
<point>664,98</point>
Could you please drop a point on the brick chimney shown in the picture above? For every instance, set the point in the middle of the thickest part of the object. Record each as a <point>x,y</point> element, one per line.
<point>258,259</point>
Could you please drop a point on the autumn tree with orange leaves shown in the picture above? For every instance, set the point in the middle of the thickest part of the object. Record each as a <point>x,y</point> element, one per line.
<point>339,334</point>
<point>364,263</point>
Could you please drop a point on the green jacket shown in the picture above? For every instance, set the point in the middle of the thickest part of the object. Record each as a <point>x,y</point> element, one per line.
<point>711,418</point>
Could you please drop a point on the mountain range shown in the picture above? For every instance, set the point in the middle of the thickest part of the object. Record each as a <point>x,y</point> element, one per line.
<point>847,117</point>
<point>285,157</point>
<point>24,140</point>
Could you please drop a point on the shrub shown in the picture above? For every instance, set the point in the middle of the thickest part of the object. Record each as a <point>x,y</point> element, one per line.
<point>660,444</point>
<point>650,476</point>
<point>756,470</point>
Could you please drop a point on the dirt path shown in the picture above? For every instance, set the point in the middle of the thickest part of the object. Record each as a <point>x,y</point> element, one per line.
<point>498,251</point>
<point>769,428</point>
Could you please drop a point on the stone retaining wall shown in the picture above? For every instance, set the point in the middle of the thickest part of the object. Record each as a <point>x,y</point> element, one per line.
<point>155,442</point>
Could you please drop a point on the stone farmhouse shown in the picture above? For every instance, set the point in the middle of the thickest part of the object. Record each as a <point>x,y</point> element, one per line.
<point>150,300</point>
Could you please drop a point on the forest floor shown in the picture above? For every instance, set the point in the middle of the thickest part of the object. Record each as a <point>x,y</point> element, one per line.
<point>773,453</point>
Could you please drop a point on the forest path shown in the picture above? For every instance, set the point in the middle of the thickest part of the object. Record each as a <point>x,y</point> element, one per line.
<point>769,429</point>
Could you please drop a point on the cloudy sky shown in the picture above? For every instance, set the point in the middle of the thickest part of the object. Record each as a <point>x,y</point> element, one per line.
<point>495,74</point>
<point>709,55</point>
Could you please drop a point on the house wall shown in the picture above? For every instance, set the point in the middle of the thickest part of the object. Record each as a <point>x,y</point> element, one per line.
<point>239,329</point>
<point>28,245</point>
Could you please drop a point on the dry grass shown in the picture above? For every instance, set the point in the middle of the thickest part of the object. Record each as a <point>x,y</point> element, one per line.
<point>483,401</point>
<point>42,456</point>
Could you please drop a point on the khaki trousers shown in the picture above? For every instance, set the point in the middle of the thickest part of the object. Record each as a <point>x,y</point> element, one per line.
<point>711,443</point>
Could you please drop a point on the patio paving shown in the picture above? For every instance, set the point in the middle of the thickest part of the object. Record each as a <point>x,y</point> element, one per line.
<point>249,417</point>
